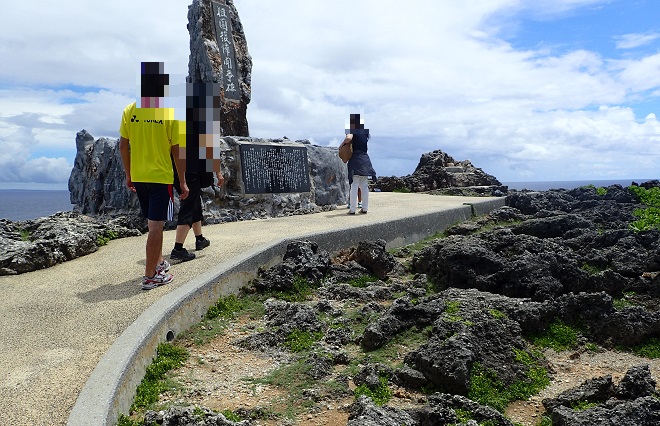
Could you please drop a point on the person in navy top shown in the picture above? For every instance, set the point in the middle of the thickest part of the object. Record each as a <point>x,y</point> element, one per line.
<point>359,166</point>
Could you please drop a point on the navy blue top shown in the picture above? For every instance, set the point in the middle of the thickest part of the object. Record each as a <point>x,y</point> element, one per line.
<point>360,163</point>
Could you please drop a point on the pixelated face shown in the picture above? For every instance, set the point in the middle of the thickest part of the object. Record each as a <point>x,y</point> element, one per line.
<point>355,122</point>
<point>153,81</point>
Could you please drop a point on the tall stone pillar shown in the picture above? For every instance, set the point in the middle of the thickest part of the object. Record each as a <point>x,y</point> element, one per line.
<point>219,54</point>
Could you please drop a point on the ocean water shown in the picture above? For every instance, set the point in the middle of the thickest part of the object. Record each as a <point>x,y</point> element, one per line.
<point>570,184</point>
<point>22,204</point>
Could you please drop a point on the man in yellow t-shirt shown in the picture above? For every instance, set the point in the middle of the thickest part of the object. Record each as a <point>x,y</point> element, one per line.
<point>148,135</point>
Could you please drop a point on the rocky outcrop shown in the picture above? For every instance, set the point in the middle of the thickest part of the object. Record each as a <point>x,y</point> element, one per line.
<point>599,402</point>
<point>219,54</point>
<point>478,299</point>
<point>439,171</point>
<point>41,243</point>
<point>189,416</point>
<point>97,183</point>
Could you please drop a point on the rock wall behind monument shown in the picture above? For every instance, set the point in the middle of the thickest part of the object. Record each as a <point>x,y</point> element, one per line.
<point>97,183</point>
<point>219,54</point>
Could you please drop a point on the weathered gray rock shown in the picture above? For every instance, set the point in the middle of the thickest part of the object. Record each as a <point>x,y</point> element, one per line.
<point>440,404</point>
<point>302,259</point>
<point>629,403</point>
<point>370,375</point>
<point>365,413</point>
<point>637,383</point>
<point>596,390</point>
<point>638,412</point>
<point>189,416</point>
<point>97,184</point>
<point>41,243</point>
<point>219,54</point>
<point>437,170</point>
<point>373,256</point>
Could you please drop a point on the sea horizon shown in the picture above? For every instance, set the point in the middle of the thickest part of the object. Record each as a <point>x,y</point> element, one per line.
<point>27,204</point>
<point>544,185</point>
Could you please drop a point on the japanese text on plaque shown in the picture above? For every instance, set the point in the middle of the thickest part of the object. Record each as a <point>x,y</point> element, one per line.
<point>225,40</point>
<point>274,169</point>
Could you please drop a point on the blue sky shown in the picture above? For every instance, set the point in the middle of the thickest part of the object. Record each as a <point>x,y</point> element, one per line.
<point>528,90</point>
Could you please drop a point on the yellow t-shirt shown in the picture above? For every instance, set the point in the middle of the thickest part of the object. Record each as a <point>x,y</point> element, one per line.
<point>151,133</point>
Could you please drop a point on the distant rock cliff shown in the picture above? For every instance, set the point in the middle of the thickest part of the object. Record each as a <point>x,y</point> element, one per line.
<point>97,184</point>
<point>438,170</point>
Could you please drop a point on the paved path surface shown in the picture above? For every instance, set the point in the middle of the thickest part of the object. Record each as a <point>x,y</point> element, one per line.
<point>56,324</point>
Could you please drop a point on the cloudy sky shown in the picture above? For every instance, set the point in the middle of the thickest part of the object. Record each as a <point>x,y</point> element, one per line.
<point>528,90</point>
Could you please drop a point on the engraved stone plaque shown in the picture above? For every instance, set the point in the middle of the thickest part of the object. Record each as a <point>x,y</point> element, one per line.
<point>274,169</point>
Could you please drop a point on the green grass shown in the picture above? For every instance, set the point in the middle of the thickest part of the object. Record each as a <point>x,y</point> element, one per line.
<point>558,336</point>
<point>592,269</point>
<point>363,281</point>
<point>648,349</point>
<point>545,421</point>
<point>168,357</point>
<point>624,301</point>
<point>380,395</point>
<point>403,190</point>
<point>422,244</point>
<point>106,237</point>
<point>403,342</point>
<point>301,341</point>
<point>127,421</point>
<point>219,316</point>
<point>301,290</point>
<point>225,307</point>
<point>453,307</point>
<point>26,235</point>
<point>497,314</point>
<point>487,389</point>
<point>649,217</point>
<point>451,313</point>
<point>583,405</point>
<point>230,415</point>
<point>293,379</point>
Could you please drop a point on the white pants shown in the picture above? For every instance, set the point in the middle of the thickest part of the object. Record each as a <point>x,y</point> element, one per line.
<point>361,182</point>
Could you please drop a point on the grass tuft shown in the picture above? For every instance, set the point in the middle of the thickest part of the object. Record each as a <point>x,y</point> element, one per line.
<point>168,357</point>
<point>380,395</point>
<point>558,336</point>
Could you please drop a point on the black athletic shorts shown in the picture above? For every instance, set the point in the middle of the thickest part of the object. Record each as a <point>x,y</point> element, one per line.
<point>155,200</point>
<point>190,209</point>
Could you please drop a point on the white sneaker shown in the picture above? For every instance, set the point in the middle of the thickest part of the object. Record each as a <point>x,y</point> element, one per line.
<point>163,267</point>
<point>157,280</point>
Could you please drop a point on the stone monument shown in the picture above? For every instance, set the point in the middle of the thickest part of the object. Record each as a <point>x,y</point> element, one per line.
<point>263,177</point>
<point>219,54</point>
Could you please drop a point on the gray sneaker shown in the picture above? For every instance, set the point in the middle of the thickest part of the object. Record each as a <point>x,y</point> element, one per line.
<point>157,280</point>
<point>163,267</point>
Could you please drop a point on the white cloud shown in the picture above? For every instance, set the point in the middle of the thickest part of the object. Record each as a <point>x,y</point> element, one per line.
<point>631,41</point>
<point>428,74</point>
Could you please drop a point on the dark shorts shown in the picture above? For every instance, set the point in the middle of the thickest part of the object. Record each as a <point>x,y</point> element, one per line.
<point>190,209</point>
<point>155,200</point>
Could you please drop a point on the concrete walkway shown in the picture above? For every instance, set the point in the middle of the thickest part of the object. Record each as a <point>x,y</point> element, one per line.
<point>77,337</point>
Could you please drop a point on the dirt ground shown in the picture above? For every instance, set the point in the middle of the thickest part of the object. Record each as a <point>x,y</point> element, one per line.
<point>217,372</point>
